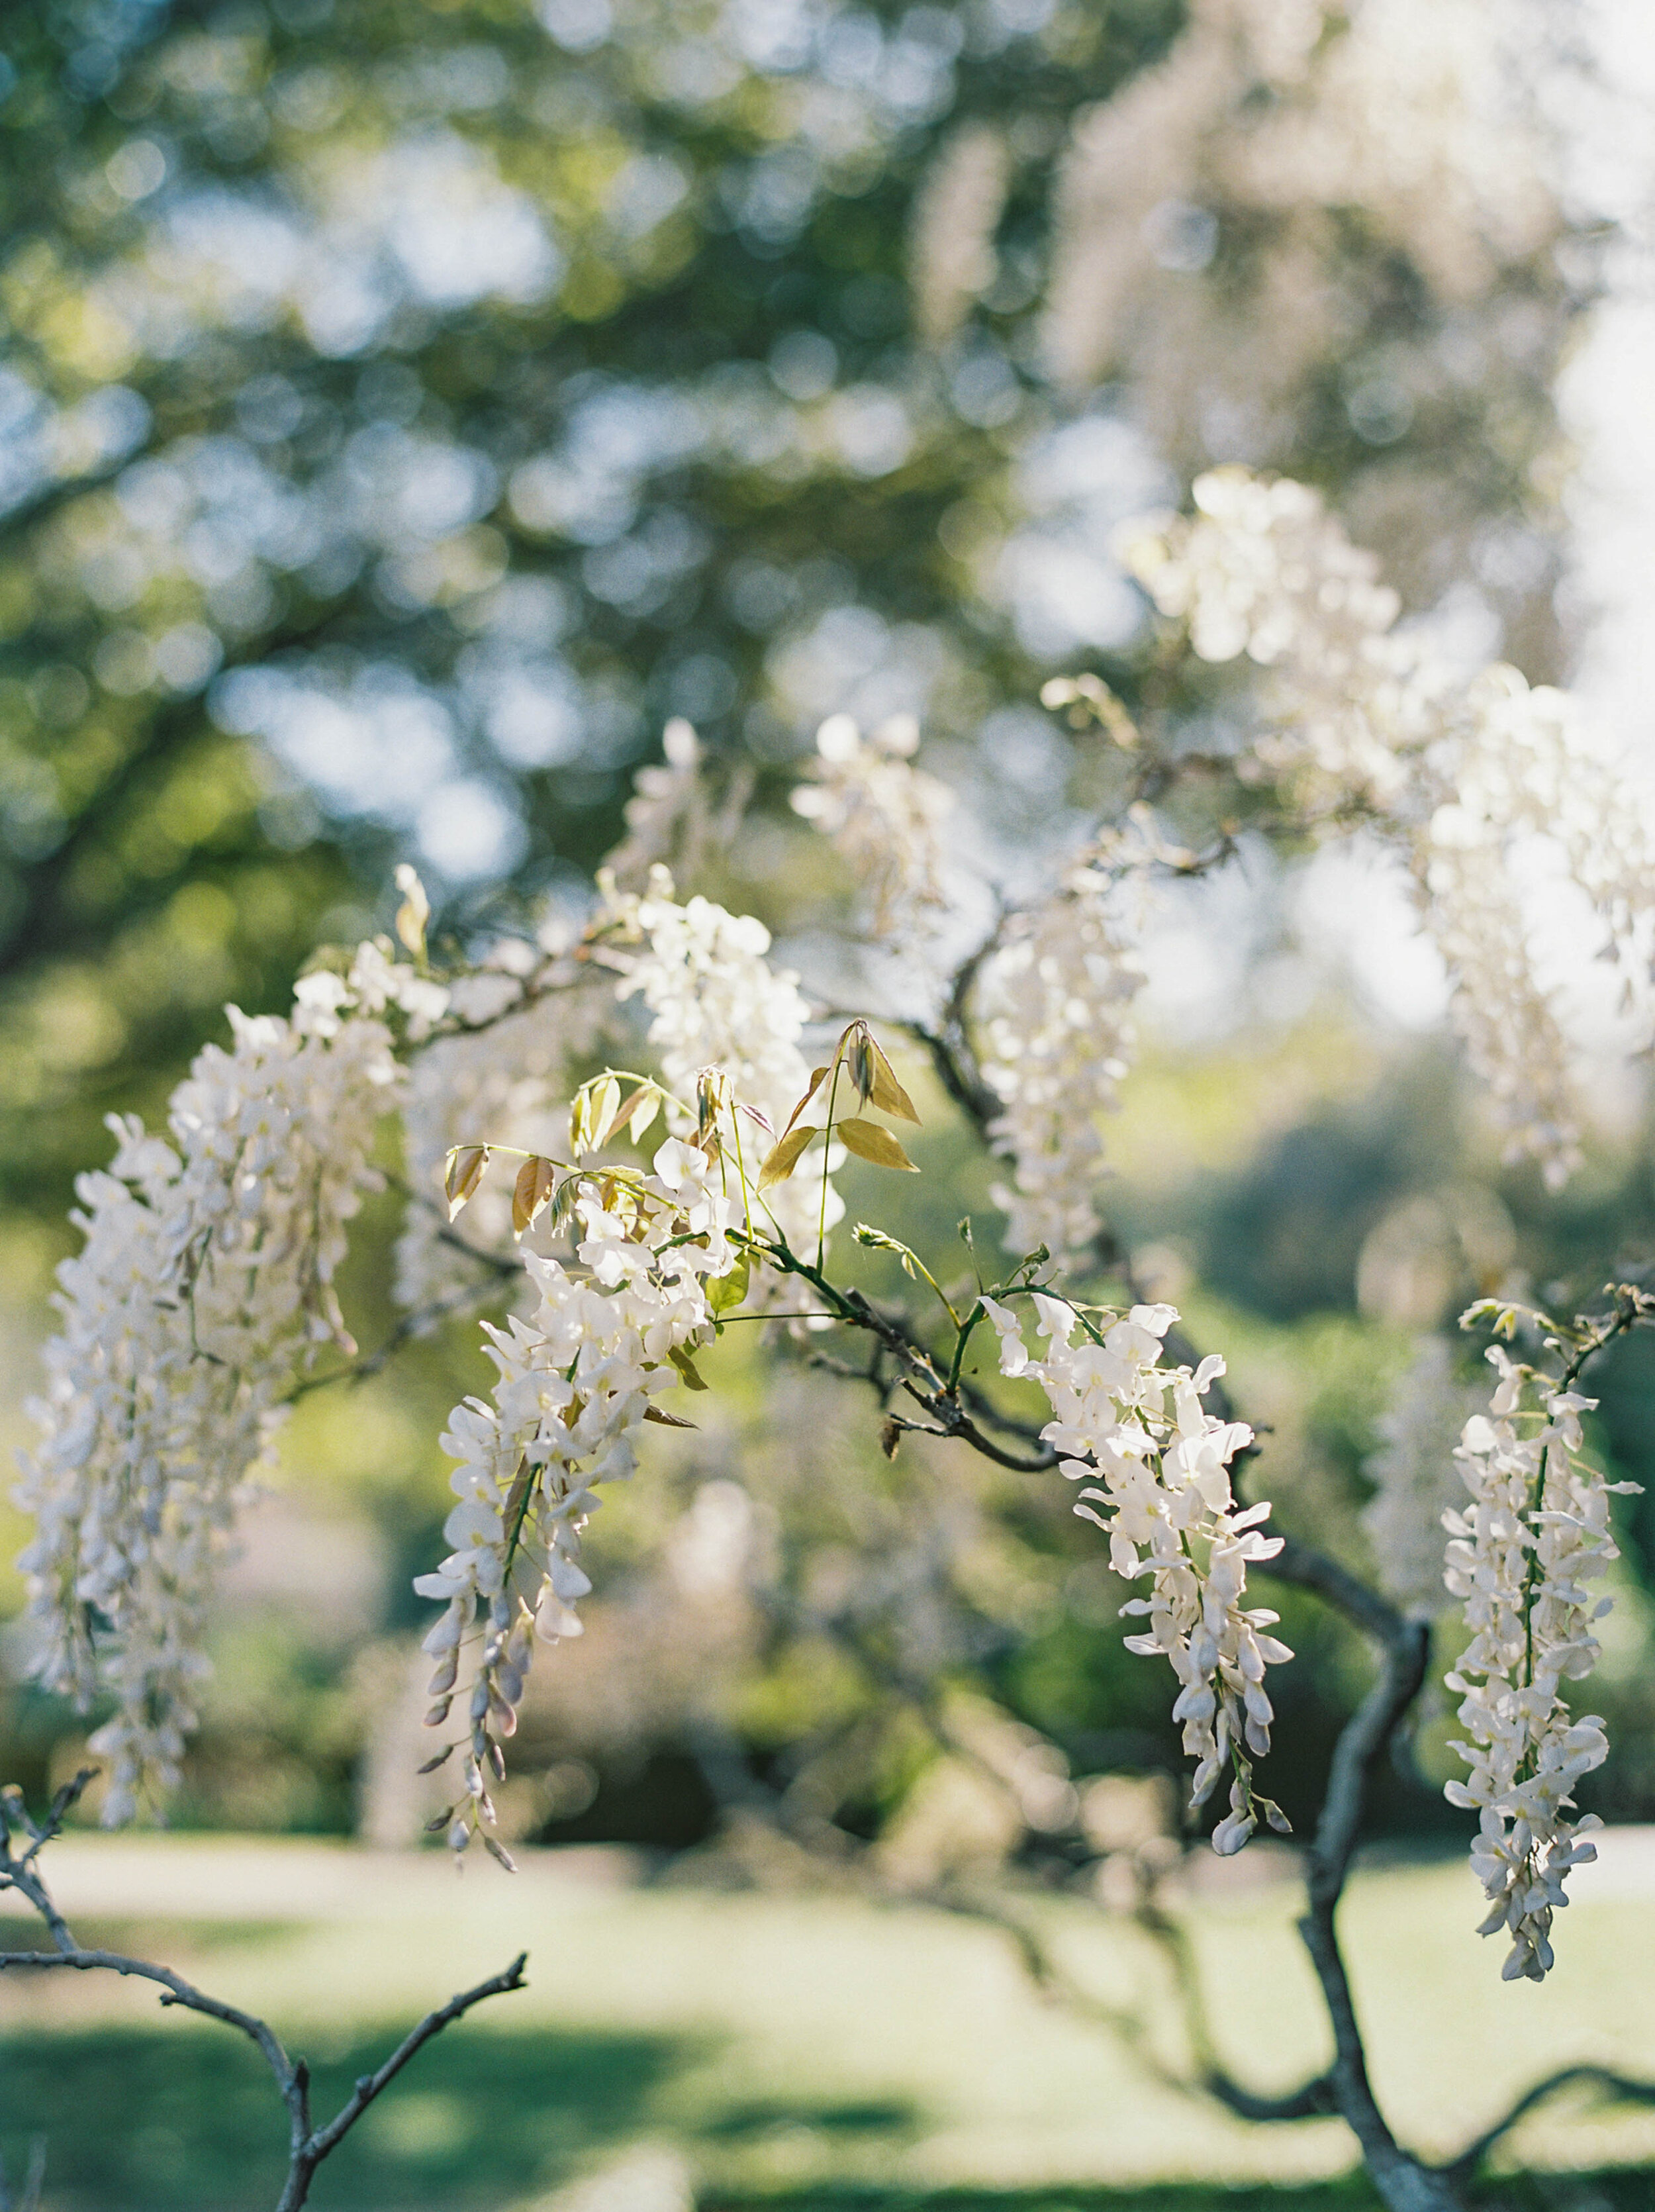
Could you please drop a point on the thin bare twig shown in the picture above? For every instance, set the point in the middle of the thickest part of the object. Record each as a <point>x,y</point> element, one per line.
<point>307,2146</point>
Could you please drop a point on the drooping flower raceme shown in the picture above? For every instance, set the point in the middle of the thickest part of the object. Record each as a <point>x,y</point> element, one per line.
<point>577,1379</point>
<point>1527,1557</point>
<point>1363,726</point>
<point>1159,1486</point>
<point>1054,1010</point>
<point>204,1284</point>
<point>1416,1478</point>
<point>888,818</point>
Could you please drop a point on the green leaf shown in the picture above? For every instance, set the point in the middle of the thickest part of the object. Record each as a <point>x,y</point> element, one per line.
<point>685,1366</point>
<point>725,1292</point>
<point>868,1141</point>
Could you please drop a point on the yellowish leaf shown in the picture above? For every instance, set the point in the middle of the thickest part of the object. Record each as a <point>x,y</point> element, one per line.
<point>603,1111</point>
<point>870,1142</point>
<point>780,1162</point>
<point>532,1193</point>
<point>413,912</point>
<point>811,1089</point>
<point>467,1164</point>
<point>887,1093</point>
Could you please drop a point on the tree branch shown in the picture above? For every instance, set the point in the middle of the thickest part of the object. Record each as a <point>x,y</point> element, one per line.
<point>1619,2086</point>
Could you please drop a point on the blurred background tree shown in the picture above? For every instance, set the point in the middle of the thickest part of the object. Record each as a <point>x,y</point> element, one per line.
<point>405,409</point>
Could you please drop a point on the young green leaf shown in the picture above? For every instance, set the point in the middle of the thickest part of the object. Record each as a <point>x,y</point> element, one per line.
<point>871,1142</point>
<point>860,1061</point>
<point>685,1366</point>
<point>878,1240</point>
<point>725,1292</point>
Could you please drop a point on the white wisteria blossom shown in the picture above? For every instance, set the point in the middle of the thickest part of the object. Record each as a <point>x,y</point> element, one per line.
<point>1415,1477</point>
<point>1163,1486</point>
<point>1362,724</point>
<point>1053,1006</point>
<point>1527,1557</point>
<point>704,977</point>
<point>890,818</point>
<point>956,212</point>
<point>666,817</point>
<point>577,1379</point>
<point>205,1284</point>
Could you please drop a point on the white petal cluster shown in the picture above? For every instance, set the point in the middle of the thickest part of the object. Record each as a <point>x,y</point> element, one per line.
<point>206,1281</point>
<point>1416,1478</point>
<point>1364,727</point>
<point>1525,1559</point>
<point>577,1381</point>
<point>888,818</point>
<point>1053,1006</point>
<point>714,1000</point>
<point>1262,570</point>
<point>1265,119</point>
<point>1160,1488</point>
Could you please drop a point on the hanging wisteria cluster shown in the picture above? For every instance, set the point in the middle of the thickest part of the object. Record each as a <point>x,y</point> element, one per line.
<point>204,1286</point>
<point>1527,1557</point>
<point>1054,1006</point>
<point>644,1206</point>
<point>1171,1518</point>
<point>578,1380</point>
<point>1366,725</point>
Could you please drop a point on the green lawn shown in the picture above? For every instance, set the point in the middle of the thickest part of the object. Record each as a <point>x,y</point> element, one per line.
<point>798,2052</point>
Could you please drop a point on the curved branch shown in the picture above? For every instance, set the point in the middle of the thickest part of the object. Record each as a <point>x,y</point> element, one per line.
<point>952,1056</point>
<point>368,2087</point>
<point>1619,2086</point>
<point>177,1992</point>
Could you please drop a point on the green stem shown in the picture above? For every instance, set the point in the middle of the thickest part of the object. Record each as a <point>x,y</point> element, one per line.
<point>821,1222</point>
